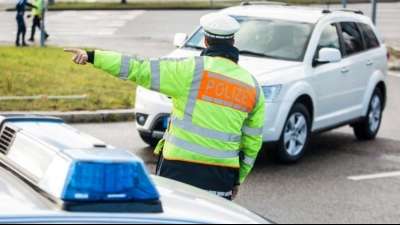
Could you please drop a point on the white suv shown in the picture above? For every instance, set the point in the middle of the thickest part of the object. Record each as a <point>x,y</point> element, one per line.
<point>319,70</point>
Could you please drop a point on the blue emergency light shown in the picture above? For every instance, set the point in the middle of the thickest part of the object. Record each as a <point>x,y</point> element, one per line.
<point>75,170</point>
<point>108,181</point>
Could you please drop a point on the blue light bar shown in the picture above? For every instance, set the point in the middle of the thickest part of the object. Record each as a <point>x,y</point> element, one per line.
<point>108,181</point>
<point>76,171</point>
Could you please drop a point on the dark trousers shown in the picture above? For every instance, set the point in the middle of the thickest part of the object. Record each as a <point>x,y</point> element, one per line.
<point>215,179</point>
<point>36,24</point>
<point>21,31</point>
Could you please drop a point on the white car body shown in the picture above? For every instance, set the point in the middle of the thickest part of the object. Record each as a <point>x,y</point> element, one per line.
<point>181,203</point>
<point>33,149</point>
<point>340,92</point>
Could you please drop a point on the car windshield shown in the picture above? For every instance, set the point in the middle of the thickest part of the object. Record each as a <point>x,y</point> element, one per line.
<point>276,39</point>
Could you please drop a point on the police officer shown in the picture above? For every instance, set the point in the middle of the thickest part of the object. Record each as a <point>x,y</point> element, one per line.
<point>21,8</point>
<point>37,13</point>
<point>217,121</point>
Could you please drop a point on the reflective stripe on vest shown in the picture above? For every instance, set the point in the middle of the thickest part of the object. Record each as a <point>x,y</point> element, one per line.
<point>249,161</point>
<point>155,75</point>
<point>124,70</point>
<point>213,153</point>
<point>205,132</point>
<point>194,88</point>
<point>252,131</point>
<point>258,89</point>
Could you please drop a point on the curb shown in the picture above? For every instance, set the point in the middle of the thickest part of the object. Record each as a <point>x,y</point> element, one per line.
<point>100,116</point>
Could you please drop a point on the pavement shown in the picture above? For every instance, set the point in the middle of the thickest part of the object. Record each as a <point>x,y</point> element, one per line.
<point>149,33</point>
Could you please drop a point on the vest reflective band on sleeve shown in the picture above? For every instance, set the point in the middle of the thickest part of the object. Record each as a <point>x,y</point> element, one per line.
<point>228,92</point>
<point>195,148</point>
<point>187,125</point>
<point>249,161</point>
<point>125,64</point>
<point>155,75</point>
<point>194,88</point>
<point>252,131</point>
<point>258,89</point>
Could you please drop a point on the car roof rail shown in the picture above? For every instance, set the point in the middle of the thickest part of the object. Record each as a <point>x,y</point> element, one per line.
<point>327,11</point>
<point>247,3</point>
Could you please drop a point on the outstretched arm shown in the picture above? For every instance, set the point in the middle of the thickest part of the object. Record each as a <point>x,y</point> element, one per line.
<point>166,76</point>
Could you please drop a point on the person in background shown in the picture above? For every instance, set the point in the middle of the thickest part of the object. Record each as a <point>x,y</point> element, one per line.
<point>21,31</point>
<point>37,13</point>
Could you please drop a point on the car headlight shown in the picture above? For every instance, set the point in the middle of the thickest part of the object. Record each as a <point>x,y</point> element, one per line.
<point>271,93</point>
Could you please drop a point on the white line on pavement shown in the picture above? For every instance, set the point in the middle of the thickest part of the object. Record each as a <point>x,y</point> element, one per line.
<point>375,176</point>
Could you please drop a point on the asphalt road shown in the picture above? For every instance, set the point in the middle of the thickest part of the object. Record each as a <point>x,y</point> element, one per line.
<point>150,33</point>
<point>318,189</point>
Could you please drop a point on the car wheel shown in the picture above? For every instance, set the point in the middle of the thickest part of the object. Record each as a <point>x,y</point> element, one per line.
<point>148,139</point>
<point>369,127</point>
<point>295,135</point>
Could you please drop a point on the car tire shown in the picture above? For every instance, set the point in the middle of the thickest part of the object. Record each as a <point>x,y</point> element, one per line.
<point>368,128</point>
<point>148,139</point>
<point>295,135</point>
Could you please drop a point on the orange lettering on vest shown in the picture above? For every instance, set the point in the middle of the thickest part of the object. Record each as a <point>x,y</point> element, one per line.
<point>225,91</point>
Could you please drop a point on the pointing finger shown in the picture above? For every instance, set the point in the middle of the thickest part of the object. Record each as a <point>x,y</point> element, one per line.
<point>71,50</point>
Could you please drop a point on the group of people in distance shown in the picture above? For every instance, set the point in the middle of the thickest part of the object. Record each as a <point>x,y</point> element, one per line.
<point>37,13</point>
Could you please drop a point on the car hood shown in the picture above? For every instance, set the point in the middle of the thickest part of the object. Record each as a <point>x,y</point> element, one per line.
<point>265,69</point>
<point>191,203</point>
<point>181,203</point>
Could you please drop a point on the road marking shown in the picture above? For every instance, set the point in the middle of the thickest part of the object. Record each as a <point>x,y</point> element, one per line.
<point>375,176</point>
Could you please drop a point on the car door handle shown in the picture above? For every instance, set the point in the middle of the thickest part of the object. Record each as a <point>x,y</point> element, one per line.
<point>370,63</point>
<point>345,70</point>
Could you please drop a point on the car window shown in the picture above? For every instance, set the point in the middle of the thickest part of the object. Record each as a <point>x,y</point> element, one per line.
<point>329,39</point>
<point>371,40</point>
<point>353,42</point>
<point>277,39</point>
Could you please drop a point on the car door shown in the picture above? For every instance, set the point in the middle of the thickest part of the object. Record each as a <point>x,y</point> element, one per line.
<point>356,69</point>
<point>375,57</point>
<point>328,81</point>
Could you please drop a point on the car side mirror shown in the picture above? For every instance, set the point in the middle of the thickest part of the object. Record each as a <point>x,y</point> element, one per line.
<point>329,55</point>
<point>180,39</point>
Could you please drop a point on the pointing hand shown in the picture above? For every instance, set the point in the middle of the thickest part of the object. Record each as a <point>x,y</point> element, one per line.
<point>80,56</point>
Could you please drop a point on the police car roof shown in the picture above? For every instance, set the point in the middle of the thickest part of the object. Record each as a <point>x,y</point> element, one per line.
<point>181,203</point>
